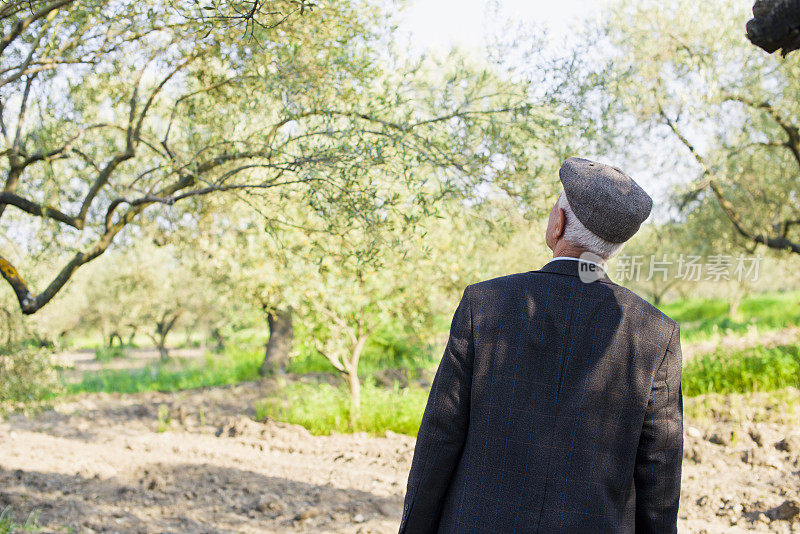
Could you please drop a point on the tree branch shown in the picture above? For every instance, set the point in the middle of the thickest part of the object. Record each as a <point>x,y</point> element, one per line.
<point>779,243</point>
<point>100,181</point>
<point>17,284</point>
<point>335,361</point>
<point>793,142</point>
<point>23,106</point>
<point>33,208</point>
<point>23,24</point>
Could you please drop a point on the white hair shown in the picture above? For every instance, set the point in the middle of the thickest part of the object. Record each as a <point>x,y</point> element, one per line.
<point>577,234</point>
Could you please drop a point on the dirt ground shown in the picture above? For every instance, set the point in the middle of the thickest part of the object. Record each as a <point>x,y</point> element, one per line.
<point>100,463</point>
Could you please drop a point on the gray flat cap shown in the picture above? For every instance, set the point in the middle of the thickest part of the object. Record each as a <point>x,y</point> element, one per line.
<point>606,200</point>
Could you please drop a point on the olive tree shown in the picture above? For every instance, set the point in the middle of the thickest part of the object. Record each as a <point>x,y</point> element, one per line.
<point>680,80</point>
<point>360,280</point>
<point>145,288</point>
<point>113,112</point>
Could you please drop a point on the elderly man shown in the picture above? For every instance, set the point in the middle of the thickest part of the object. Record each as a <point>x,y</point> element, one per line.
<point>557,404</point>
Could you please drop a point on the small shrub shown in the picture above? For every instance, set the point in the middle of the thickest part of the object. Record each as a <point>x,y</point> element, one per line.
<point>390,346</point>
<point>164,418</point>
<point>26,376</point>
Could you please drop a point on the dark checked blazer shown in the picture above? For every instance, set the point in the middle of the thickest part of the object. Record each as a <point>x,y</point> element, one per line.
<point>556,408</point>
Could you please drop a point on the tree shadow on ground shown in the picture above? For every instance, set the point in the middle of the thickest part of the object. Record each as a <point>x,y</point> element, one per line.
<point>78,418</point>
<point>190,498</point>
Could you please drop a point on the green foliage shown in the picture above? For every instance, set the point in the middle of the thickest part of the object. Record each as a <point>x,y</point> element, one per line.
<point>702,318</point>
<point>315,116</point>
<point>390,346</point>
<point>753,369</point>
<point>235,366</point>
<point>9,526</point>
<point>323,408</point>
<point>26,376</point>
<point>682,85</point>
<point>106,354</point>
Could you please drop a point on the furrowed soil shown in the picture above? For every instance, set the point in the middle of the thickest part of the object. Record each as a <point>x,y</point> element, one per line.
<point>109,463</point>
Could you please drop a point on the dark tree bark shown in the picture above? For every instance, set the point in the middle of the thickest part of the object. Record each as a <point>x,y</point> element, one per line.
<point>216,335</point>
<point>163,327</point>
<point>775,24</point>
<point>131,335</point>
<point>279,345</point>
<point>114,336</point>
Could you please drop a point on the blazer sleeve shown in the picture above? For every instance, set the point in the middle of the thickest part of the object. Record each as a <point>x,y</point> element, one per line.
<point>443,429</point>
<point>657,475</point>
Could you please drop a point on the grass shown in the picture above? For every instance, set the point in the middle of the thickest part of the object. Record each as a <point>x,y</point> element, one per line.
<point>705,318</point>
<point>9,526</point>
<point>387,348</point>
<point>742,371</point>
<point>323,408</point>
<point>105,354</point>
<point>719,383</point>
<point>233,367</point>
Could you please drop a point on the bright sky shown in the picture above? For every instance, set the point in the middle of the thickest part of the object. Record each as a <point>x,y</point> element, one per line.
<point>440,24</point>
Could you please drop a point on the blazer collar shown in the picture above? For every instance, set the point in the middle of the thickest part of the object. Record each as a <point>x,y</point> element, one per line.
<point>574,267</point>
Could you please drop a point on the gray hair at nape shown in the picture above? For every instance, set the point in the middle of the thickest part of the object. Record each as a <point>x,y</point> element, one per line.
<point>577,234</point>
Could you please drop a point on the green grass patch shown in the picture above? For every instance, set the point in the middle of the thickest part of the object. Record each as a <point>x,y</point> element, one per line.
<point>705,318</point>
<point>106,354</point>
<point>324,408</point>
<point>743,371</point>
<point>9,526</point>
<point>234,366</point>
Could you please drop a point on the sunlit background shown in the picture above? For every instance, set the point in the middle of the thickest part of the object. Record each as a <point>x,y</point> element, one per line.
<point>232,242</point>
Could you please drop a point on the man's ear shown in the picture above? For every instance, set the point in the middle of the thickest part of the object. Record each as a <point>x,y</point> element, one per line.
<point>560,223</point>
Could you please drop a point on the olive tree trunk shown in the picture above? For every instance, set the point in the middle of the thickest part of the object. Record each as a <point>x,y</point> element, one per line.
<point>163,327</point>
<point>347,364</point>
<point>351,370</point>
<point>279,345</point>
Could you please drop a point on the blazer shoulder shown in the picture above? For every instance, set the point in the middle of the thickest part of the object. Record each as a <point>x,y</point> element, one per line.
<point>652,312</point>
<point>501,283</point>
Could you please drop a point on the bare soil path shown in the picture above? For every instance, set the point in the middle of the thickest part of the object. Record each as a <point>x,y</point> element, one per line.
<point>98,463</point>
